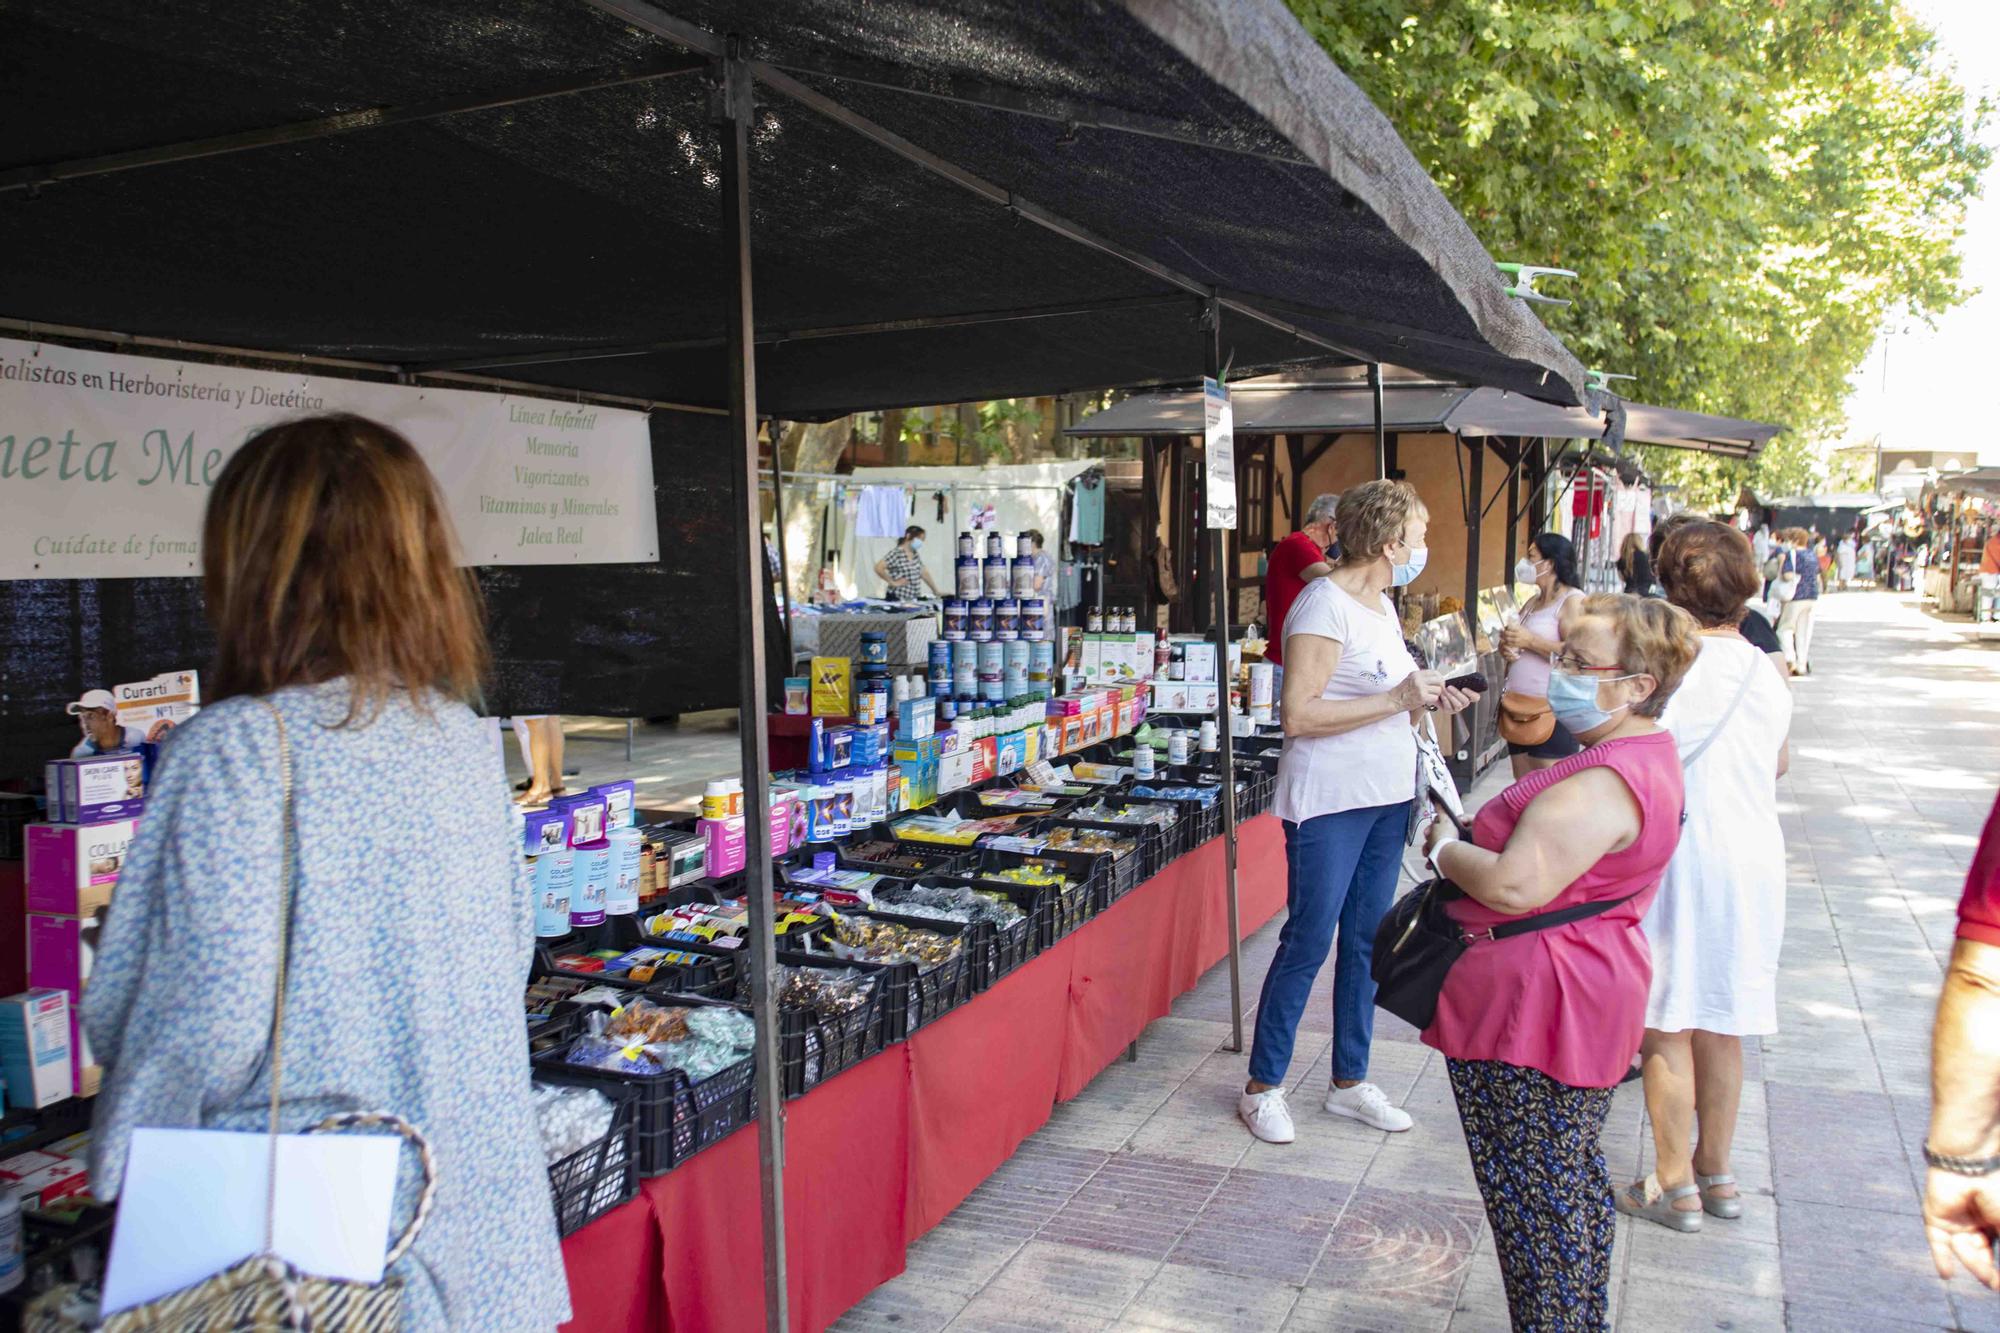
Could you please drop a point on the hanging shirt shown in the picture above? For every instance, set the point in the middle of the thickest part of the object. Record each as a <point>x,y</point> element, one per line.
<point>884,511</point>
<point>1086,513</point>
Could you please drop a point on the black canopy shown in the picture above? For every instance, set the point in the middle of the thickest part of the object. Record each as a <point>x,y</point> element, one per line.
<point>1030,194</point>
<point>1341,401</point>
<point>1323,399</point>
<point>1728,436</point>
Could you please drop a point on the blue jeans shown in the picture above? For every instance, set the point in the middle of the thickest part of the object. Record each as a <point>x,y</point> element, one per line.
<point>1340,870</point>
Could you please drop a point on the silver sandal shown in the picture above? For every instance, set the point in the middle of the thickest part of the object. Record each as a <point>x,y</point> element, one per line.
<point>1728,1207</point>
<point>1647,1199</point>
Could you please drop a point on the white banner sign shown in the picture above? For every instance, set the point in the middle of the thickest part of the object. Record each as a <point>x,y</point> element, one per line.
<point>1219,441</point>
<point>106,462</point>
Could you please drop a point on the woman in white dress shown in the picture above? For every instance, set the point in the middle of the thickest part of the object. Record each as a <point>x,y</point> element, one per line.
<point>1717,923</point>
<point>1844,558</point>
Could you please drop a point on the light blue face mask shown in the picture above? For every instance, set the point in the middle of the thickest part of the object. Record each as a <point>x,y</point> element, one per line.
<point>1573,699</point>
<point>1402,575</point>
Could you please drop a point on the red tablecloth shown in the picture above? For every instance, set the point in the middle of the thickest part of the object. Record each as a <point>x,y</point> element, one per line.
<point>880,1154</point>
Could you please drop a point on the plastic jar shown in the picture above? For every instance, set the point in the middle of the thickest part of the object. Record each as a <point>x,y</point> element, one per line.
<point>622,898</point>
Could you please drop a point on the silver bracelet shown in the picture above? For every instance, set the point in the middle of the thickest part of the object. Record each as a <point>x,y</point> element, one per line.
<point>1962,1166</point>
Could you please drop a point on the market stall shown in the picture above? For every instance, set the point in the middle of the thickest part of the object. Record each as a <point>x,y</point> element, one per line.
<point>1965,520</point>
<point>1055,205</point>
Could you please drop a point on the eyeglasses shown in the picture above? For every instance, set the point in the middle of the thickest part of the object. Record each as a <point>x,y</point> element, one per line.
<point>1577,666</point>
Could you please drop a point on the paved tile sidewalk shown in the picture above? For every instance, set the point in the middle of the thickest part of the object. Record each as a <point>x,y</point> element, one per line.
<point>1144,1205</point>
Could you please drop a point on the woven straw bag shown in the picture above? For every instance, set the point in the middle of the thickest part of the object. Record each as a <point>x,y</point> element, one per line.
<point>263,1293</point>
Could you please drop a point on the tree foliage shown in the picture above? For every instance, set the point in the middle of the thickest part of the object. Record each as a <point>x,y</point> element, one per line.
<point>1747,188</point>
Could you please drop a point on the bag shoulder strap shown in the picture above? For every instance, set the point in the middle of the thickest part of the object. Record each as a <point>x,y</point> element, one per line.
<point>1549,920</point>
<point>287,825</point>
<point>1742,692</point>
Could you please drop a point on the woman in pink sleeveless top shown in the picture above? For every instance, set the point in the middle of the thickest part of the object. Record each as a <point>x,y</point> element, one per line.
<point>1537,1028</point>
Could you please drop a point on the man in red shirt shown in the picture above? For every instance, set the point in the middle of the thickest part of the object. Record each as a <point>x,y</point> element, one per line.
<point>1295,562</point>
<point>1962,1190</point>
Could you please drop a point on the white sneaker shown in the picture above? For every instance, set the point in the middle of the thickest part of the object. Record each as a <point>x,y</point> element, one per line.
<point>1267,1115</point>
<point>1370,1105</point>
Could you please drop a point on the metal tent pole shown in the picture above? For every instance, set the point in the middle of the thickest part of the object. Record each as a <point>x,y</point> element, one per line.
<point>1381,439</point>
<point>1211,353</point>
<point>733,110</point>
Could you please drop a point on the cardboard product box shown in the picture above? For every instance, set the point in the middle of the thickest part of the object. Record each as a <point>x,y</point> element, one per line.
<point>1072,734</point>
<point>98,789</point>
<point>71,867</point>
<point>35,1048</point>
<point>1199,656</point>
<point>1010,753</point>
<point>60,950</point>
<point>1031,744</point>
<point>1182,697</point>
<point>37,1180</point>
<point>954,771</point>
<point>158,705</point>
<point>984,759</point>
<point>832,687</point>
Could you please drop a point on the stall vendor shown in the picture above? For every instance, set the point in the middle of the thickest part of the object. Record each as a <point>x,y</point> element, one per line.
<point>96,713</point>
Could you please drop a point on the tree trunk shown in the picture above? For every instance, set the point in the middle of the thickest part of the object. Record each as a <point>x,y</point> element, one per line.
<point>894,451</point>
<point>814,447</point>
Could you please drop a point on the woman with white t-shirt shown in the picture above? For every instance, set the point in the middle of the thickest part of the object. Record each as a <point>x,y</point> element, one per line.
<point>1352,694</point>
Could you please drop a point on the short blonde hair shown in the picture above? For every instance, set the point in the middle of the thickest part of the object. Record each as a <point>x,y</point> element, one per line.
<point>1655,638</point>
<point>1372,516</point>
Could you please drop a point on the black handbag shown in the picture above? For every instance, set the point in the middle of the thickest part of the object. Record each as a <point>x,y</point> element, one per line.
<point>1418,942</point>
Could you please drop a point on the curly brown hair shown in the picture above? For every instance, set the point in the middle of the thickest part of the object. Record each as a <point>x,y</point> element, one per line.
<point>1709,571</point>
<point>1372,516</point>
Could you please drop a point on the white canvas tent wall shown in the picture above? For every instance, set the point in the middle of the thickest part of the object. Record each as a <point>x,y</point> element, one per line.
<point>1023,496</point>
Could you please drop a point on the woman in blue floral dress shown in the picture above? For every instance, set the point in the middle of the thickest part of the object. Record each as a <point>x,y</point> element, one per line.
<point>331,583</point>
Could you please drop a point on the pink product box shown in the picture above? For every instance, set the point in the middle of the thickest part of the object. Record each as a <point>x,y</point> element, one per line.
<point>782,806</point>
<point>727,851</point>
<point>97,789</point>
<point>71,867</point>
<point>60,949</point>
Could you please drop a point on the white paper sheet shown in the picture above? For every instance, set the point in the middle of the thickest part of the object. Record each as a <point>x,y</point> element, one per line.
<point>193,1204</point>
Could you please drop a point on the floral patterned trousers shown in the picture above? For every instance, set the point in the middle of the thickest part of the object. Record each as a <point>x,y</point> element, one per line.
<point>1534,1146</point>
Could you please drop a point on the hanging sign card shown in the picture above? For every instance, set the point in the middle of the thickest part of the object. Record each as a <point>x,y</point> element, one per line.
<point>106,462</point>
<point>1219,442</point>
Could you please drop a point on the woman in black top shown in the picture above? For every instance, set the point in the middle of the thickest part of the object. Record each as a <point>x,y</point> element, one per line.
<point>1635,566</point>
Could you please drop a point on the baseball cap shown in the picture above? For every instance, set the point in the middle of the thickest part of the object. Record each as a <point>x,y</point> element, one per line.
<point>94,699</point>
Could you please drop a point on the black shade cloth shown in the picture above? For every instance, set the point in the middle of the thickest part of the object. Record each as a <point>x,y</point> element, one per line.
<point>592,220</point>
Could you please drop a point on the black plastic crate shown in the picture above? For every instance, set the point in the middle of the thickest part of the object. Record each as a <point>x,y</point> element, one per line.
<point>906,859</point>
<point>812,1048</point>
<point>995,950</point>
<point>1203,821</point>
<point>1258,788</point>
<point>593,1180</point>
<point>676,1118</point>
<point>917,995</point>
<point>975,805</point>
<point>713,976</point>
<point>1174,837</point>
<point>1149,855</point>
<point>1063,912</point>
